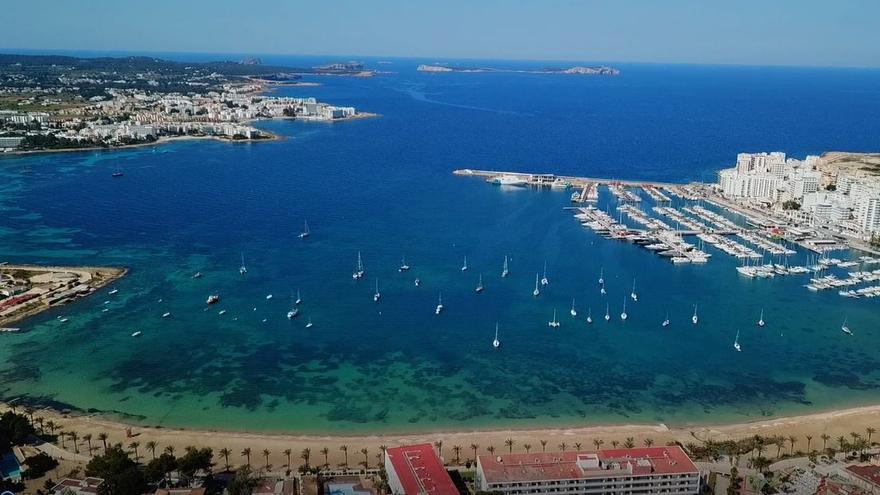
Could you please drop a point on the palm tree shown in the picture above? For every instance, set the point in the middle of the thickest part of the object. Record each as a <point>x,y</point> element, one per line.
<point>40,422</point>
<point>134,446</point>
<point>439,445</point>
<point>225,453</point>
<point>870,431</point>
<point>598,442</point>
<point>779,442</point>
<point>577,446</point>
<point>170,450</point>
<point>475,447</point>
<point>61,436</point>
<point>266,455</point>
<point>527,447</point>
<point>615,443</point>
<point>103,438</point>
<point>855,436</point>
<point>325,451</point>
<point>305,455</point>
<point>509,444</point>
<point>825,437</point>
<point>648,442</point>
<point>809,441</point>
<point>287,454</point>
<point>562,446</point>
<point>366,457</point>
<point>629,443</point>
<point>490,449</point>
<point>247,453</point>
<point>384,448</point>
<point>456,449</point>
<point>543,445</point>
<point>841,440</point>
<point>791,441</point>
<point>88,438</point>
<point>344,449</point>
<point>151,446</point>
<point>74,437</point>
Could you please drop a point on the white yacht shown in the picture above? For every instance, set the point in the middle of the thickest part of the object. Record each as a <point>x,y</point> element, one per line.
<point>309,324</point>
<point>761,319</point>
<point>554,323</point>
<point>464,265</point>
<point>602,290</point>
<point>305,232</point>
<point>293,313</point>
<point>417,282</point>
<point>504,270</point>
<point>298,298</point>
<point>403,266</point>
<point>633,295</point>
<point>268,296</point>
<point>666,321</point>
<point>166,315</point>
<point>544,280</point>
<point>114,291</point>
<point>377,295</point>
<point>496,343</point>
<point>602,275</point>
<point>537,291</point>
<point>480,284</point>
<point>136,334</point>
<point>589,316</point>
<point>573,311</point>
<point>439,307</point>
<point>607,312</point>
<point>736,343</point>
<point>242,269</point>
<point>359,270</point>
<point>623,315</point>
<point>694,318</point>
<point>845,328</point>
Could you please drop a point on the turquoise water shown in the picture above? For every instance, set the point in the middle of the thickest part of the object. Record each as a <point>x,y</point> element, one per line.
<point>384,187</point>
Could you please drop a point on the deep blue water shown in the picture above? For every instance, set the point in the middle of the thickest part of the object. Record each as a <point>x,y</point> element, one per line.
<point>384,187</point>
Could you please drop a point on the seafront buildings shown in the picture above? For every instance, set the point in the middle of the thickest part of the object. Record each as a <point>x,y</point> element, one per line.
<point>416,469</point>
<point>619,471</point>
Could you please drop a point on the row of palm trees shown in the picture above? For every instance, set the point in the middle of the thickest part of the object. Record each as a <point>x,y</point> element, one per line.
<point>757,445</point>
<point>306,456</point>
<point>628,443</point>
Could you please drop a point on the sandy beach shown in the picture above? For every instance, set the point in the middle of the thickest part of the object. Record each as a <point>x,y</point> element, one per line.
<point>834,423</point>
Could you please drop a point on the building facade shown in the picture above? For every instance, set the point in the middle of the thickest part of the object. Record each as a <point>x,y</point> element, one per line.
<point>416,470</point>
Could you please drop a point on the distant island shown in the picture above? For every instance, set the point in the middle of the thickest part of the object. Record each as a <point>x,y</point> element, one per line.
<point>597,70</point>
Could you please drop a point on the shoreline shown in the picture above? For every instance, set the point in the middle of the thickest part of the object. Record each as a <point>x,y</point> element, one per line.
<point>836,423</point>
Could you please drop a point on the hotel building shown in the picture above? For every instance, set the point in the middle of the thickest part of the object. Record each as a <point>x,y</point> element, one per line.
<point>416,470</point>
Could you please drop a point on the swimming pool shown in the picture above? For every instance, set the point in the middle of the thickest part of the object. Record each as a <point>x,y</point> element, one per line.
<point>9,467</point>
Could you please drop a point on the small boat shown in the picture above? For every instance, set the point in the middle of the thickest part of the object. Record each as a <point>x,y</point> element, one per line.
<point>761,319</point>
<point>623,315</point>
<point>113,291</point>
<point>293,313</point>
<point>213,298</point>
<point>309,324</point>
<point>544,280</point>
<point>63,320</point>
<point>417,282</point>
<point>607,312</point>
<point>464,267</point>
<point>377,295</point>
<point>694,318</point>
<point>222,312</point>
<point>117,174</point>
<point>666,321</point>
<point>480,284</point>
<point>105,310</point>
<point>359,271</point>
<point>268,296</point>
<point>106,302</point>
<point>242,269</point>
<point>298,298</point>
<point>136,334</point>
<point>197,275</point>
<point>403,266</point>
<point>589,316</point>
<point>439,303</point>
<point>554,323</point>
<point>305,232</point>
<point>496,343</point>
<point>504,270</point>
<point>166,315</point>
<point>602,290</point>
<point>843,327</point>
<point>633,295</point>
<point>602,275</point>
<point>736,343</point>
<point>573,311</point>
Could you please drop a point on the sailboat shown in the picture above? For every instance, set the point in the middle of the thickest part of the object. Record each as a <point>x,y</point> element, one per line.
<point>845,328</point>
<point>298,298</point>
<point>589,316</point>
<point>602,289</point>
<point>309,324</point>
<point>694,318</point>
<point>377,295</point>
<point>544,280</point>
<point>439,303</point>
<point>633,295</point>
<point>496,343</point>
<point>417,282</point>
<point>623,315</point>
<point>573,311</point>
<point>403,266</point>
<point>464,266</point>
<point>666,321</point>
<point>242,269</point>
<point>602,276</point>
<point>607,313</point>
<point>504,271</point>
<point>736,343</point>
<point>294,311</point>
<point>359,271</point>
<point>305,231</point>
<point>536,292</point>
<point>761,319</point>
<point>480,284</point>
<point>554,323</point>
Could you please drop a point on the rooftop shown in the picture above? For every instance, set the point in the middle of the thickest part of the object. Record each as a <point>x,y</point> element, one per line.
<point>585,464</point>
<point>869,473</point>
<point>420,471</point>
<point>88,485</point>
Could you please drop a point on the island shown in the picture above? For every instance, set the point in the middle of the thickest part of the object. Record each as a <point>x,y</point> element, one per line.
<point>26,290</point>
<point>598,70</point>
<point>53,103</point>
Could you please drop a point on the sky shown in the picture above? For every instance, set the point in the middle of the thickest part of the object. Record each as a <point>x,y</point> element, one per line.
<point>741,32</point>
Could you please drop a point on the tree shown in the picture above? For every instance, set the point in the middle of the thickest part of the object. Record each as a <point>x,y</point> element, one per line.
<point>527,447</point>
<point>243,482</point>
<point>439,445</point>
<point>305,455</point>
<point>791,205</point>
<point>456,449</point>
<point>648,442</point>
<point>629,443</point>
<point>151,446</point>
<point>543,445</point>
<point>103,438</point>
<point>170,450</point>
<point>195,461</point>
<point>286,453</point>
<point>160,468</point>
<point>615,443</point>
<point>61,436</point>
<point>51,425</point>
<point>14,429</point>
<point>344,449</point>
<point>475,447</point>
<point>88,438</point>
<point>598,442</point>
<point>266,455</point>
<point>121,475</point>
<point>870,431</point>
<point>562,446</point>
<point>825,437</point>
<point>809,441</point>
<point>246,452</point>
<point>490,449</point>
<point>366,452</point>
<point>38,465</point>
<point>134,448</point>
<point>841,440</point>
<point>225,453</point>
<point>74,437</point>
<point>509,444</point>
<point>577,446</point>
<point>384,448</point>
<point>325,451</point>
<point>791,441</point>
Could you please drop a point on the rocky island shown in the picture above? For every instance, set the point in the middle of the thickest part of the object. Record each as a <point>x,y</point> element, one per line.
<point>585,70</point>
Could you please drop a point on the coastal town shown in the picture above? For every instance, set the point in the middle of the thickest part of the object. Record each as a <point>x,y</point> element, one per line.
<point>45,110</point>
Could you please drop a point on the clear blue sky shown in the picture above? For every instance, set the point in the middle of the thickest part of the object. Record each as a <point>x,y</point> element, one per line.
<point>759,32</point>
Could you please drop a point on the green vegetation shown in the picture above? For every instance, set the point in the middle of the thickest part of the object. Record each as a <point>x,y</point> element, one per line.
<point>14,430</point>
<point>791,205</point>
<point>121,474</point>
<point>38,465</point>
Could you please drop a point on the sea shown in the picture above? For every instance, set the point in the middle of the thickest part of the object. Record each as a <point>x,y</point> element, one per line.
<point>383,187</point>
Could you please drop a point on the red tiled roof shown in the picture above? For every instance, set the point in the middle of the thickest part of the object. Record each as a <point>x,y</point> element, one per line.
<point>869,473</point>
<point>564,465</point>
<point>420,471</point>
